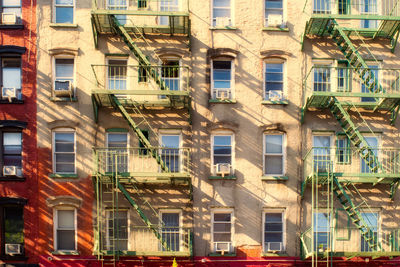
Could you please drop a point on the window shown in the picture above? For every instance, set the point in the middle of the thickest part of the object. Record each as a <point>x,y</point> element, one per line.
<point>64,11</point>
<point>64,151</point>
<point>12,154</point>
<point>322,6</point>
<point>12,229</point>
<point>222,231</point>
<point>274,13</point>
<point>119,5</point>
<point>321,231</point>
<point>117,230</point>
<point>11,12</point>
<point>143,150</point>
<point>343,151</point>
<point>344,77</point>
<point>142,4</point>
<point>322,78</point>
<point>11,77</point>
<point>371,219</point>
<point>170,74</point>
<point>274,154</point>
<point>222,154</point>
<point>221,13</point>
<point>274,80</point>
<point>322,152</point>
<point>64,76</point>
<point>370,157</point>
<point>118,154</point>
<point>371,85</point>
<point>169,6</point>
<point>117,74</point>
<point>221,79</point>
<point>65,229</point>
<point>369,7</point>
<point>170,230</point>
<point>273,231</point>
<point>170,151</point>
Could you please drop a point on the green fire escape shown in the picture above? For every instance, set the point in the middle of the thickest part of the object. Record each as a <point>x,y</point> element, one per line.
<point>340,20</point>
<point>113,176</point>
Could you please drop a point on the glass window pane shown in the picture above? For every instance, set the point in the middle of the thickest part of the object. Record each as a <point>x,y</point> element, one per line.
<point>12,77</point>
<point>273,164</point>
<point>11,3</point>
<point>171,219</point>
<point>273,217</point>
<point>274,227</point>
<point>64,68</point>
<point>10,139</point>
<point>64,137</point>
<point>13,225</point>
<point>65,158</point>
<point>221,74</point>
<point>222,3</point>
<point>117,138</point>
<point>222,13</point>
<point>64,15</point>
<point>273,143</point>
<point>222,217</point>
<point>12,160</point>
<point>65,2</point>
<point>322,141</point>
<point>222,65</point>
<point>273,237</point>
<point>171,141</point>
<point>222,227</point>
<point>65,239</point>
<point>222,237</point>
<point>273,4</point>
<point>62,147</point>
<point>65,218</point>
<point>222,140</point>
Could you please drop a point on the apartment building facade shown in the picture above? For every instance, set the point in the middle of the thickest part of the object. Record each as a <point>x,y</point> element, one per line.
<point>218,133</point>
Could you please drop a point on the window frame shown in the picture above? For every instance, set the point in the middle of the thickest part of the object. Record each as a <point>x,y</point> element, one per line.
<point>55,227</point>
<point>55,12</point>
<point>19,20</point>
<point>379,226</point>
<point>107,73</point>
<point>180,229</point>
<point>223,133</point>
<point>284,77</point>
<point>19,90</point>
<point>54,77</point>
<point>284,15</point>
<point>107,235</point>
<point>128,151</point>
<point>11,130</point>
<point>232,222</point>
<point>63,130</point>
<point>330,234</point>
<point>172,133</point>
<point>283,212</point>
<point>265,154</point>
<point>2,231</point>
<point>232,80</point>
<point>213,22</point>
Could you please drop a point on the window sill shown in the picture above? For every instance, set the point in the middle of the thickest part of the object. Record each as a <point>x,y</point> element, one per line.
<point>60,252</point>
<point>12,26</point>
<point>220,255</point>
<point>224,28</point>
<point>63,25</point>
<point>274,254</point>
<point>12,178</point>
<point>63,175</point>
<point>225,101</point>
<point>269,102</point>
<point>64,99</point>
<point>229,177</point>
<point>275,29</point>
<point>274,178</point>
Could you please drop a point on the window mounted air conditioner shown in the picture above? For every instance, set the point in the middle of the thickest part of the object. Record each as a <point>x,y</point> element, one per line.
<point>222,94</point>
<point>63,88</point>
<point>222,21</point>
<point>9,170</point>
<point>8,93</point>
<point>223,169</point>
<point>222,247</point>
<point>275,95</point>
<point>13,249</point>
<point>275,20</point>
<point>9,18</point>
<point>274,246</point>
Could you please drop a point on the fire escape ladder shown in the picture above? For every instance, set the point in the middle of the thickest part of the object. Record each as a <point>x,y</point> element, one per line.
<point>355,216</point>
<point>135,126</point>
<point>354,135</point>
<point>143,216</point>
<point>354,58</point>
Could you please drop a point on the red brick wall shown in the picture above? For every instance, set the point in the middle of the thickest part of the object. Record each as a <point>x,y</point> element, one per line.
<point>25,112</point>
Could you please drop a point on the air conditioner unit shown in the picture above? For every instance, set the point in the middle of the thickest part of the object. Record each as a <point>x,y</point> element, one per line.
<point>8,93</point>
<point>275,95</point>
<point>222,21</point>
<point>222,247</point>
<point>13,249</point>
<point>63,88</point>
<point>223,169</point>
<point>275,20</point>
<point>274,246</point>
<point>222,94</point>
<point>9,170</point>
<point>9,18</point>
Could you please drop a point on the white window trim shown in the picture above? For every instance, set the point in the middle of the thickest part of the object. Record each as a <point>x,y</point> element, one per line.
<point>180,72</point>
<point>108,213</point>
<point>54,72</point>
<point>223,133</point>
<point>284,15</point>
<point>283,154</point>
<point>223,210</point>
<point>379,144</point>
<point>284,80</point>
<point>330,227</point>
<point>278,210</point>
<point>55,227</point>
<point>232,89</point>
<point>55,14</point>
<point>379,212</point>
<point>179,211</point>
<point>108,74</point>
<point>172,132</point>
<point>378,66</point>
<point>62,130</point>
<point>231,17</point>
<point>127,146</point>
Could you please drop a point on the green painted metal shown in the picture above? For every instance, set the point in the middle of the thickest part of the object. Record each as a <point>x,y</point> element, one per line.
<point>139,132</point>
<point>142,215</point>
<point>355,215</point>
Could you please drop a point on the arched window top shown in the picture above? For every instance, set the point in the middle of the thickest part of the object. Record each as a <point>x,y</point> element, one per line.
<point>273,128</point>
<point>223,127</point>
<point>63,51</point>
<point>275,54</point>
<point>63,124</point>
<point>68,201</point>
<point>217,53</point>
<point>171,53</point>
